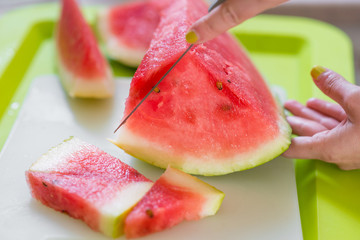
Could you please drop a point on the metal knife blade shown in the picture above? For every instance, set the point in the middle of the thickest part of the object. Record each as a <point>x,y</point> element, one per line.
<point>152,89</point>
<point>215,4</point>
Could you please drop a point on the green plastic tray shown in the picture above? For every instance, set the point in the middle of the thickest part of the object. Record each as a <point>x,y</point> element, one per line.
<point>283,48</point>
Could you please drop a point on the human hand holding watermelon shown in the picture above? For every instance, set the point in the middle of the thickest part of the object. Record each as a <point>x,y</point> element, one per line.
<point>229,14</point>
<point>327,131</point>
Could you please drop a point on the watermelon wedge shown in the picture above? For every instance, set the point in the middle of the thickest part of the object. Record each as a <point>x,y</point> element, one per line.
<point>83,181</point>
<point>128,28</point>
<point>83,70</point>
<point>212,115</point>
<point>174,197</point>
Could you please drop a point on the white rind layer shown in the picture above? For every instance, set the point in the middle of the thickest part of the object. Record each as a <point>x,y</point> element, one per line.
<point>57,157</point>
<point>213,196</point>
<point>158,155</point>
<point>115,48</point>
<point>114,212</point>
<point>86,88</point>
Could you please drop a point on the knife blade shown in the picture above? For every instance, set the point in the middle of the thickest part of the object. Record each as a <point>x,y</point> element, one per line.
<point>214,5</point>
<point>152,89</point>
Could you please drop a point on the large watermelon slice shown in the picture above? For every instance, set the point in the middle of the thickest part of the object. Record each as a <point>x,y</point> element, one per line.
<point>212,115</point>
<point>174,197</point>
<point>83,70</point>
<point>128,28</point>
<point>79,179</point>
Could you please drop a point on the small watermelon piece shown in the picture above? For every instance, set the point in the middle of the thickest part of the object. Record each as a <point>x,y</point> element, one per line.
<point>174,197</point>
<point>128,28</point>
<point>83,181</point>
<point>212,115</point>
<point>83,70</point>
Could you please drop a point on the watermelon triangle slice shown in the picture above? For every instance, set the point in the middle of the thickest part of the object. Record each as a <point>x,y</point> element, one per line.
<point>128,28</point>
<point>83,70</point>
<point>174,197</point>
<point>83,181</point>
<point>212,115</point>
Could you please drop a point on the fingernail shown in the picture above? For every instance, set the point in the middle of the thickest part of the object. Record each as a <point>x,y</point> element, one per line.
<point>316,71</point>
<point>191,37</point>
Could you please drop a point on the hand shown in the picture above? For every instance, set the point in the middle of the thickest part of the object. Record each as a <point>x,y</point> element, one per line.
<point>225,16</point>
<point>327,131</point>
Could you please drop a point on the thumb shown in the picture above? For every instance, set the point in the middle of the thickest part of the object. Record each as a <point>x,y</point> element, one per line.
<point>346,94</point>
<point>225,16</point>
<point>303,148</point>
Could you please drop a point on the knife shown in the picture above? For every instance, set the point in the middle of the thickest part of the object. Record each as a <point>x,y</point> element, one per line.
<point>213,6</point>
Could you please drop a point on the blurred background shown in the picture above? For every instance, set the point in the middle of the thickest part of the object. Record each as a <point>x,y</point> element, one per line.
<point>344,14</point>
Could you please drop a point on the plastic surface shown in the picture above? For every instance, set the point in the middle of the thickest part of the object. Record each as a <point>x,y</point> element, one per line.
<point>262,197</point>
<point>284,49</point>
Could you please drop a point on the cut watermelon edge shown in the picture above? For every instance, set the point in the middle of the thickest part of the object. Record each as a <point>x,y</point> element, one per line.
<point>86,88</point>
<point>114,48</point>
<point>113,216</point>
<point>213,195</point>
<point>154,154</point>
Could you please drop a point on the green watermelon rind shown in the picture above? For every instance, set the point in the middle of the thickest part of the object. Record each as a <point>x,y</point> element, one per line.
<point>116,226</point>
<point>113,225</point>
<point>112,222</point>
<point>154,154</point>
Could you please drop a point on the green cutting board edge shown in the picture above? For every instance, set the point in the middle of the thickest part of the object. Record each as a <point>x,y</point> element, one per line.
<point>283,48</point>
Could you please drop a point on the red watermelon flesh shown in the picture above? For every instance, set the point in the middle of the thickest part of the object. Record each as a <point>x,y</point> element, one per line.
<point>174,197</point>
<point>83,70</point>
<point>79,179</point>
<point>214,113</point>
<point>128,28</point>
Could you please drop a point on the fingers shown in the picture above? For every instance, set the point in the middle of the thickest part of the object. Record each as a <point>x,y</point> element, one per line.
<point>225,16</point>
<point>304,127</point>
<point>300,110</point>
<point>310,148</point>
<point>330,109</point>
<point>329,146</point>
<point>339,145</point>
<point>347,167</point>
<point>303,148</point>
<point>340,90</point>
<point>218,21</point>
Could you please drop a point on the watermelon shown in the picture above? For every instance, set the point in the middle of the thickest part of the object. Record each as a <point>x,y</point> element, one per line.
<point>212,115</point>
<point>127,29</point>
<point>174,197</point>
<point>84,72</point>
<point>83,181</point>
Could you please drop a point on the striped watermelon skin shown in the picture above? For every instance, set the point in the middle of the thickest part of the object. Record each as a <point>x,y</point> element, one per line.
<point>213,114</point>
<point>87,183</point>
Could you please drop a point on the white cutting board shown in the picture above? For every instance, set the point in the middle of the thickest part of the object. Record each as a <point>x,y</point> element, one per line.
<point>260,203</point>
